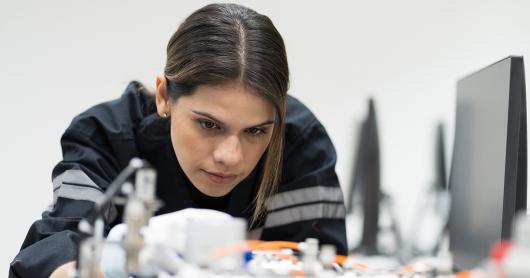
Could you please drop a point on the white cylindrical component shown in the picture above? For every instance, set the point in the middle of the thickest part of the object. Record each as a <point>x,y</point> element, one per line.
<point>215,243</point>
<point>133,241</point>
<point>327,256</point>
<point>99,227</point>
<point>522,230</point>
<point>136,163</point>
<point>89,257</point>
<point>127,188</point>
<point>134,213</point>
<point>517,261</point>
<point>146,184</point>
<point>310,257</point>
<point>85,227</point>
<point>310,248</point>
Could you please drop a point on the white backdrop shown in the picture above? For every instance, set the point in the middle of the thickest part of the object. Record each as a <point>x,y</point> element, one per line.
<point>59,57</point>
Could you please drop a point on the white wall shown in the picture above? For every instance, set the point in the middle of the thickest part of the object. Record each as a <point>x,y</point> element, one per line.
<point>59,57</point>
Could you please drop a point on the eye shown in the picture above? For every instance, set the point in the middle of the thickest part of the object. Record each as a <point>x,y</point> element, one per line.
<point>255,131</point>
<point>207,124</point>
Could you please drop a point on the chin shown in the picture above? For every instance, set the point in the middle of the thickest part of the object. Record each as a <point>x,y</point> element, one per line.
<point>214,191</point>
<point>218,193</point>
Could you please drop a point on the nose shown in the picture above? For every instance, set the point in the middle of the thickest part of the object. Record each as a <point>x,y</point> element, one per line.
<point>228,152</point>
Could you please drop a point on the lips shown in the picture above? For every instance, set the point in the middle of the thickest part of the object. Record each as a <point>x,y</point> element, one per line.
<point>221,178</point>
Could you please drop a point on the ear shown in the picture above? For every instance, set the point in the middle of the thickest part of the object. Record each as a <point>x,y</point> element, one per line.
<point>162,98</point>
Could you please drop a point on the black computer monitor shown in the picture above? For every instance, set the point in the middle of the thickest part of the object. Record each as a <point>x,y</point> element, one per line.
<point>367,182</point>
<point>440,182</point>
<point>488,172</point>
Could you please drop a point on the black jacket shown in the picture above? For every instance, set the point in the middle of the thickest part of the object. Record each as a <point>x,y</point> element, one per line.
<point>99,143</point>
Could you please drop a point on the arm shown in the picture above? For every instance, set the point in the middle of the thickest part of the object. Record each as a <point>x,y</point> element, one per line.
<point>96,146</point>
<point>79,180</point>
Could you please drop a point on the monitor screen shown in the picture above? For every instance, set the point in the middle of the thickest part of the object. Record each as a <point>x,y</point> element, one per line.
<point>488,171</point>
<point>367,182</point>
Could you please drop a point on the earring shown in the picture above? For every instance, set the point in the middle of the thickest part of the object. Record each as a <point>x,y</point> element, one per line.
<point>165,114</point>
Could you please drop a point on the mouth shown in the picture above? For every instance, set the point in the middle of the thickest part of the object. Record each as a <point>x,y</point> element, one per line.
<point>221,178</point>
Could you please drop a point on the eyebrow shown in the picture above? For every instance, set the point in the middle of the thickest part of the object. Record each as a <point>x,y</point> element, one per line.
<point>208,115</point>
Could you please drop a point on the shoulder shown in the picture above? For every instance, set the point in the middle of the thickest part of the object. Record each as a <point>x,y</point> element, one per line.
<point>299,120</point>
<point>301,126</point>
<point>109,130</point>
<point>119,117</point>
<point>309,152</point>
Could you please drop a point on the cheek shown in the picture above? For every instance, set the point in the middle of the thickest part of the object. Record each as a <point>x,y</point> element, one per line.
<point>187,143</point>
<point>256,151</point>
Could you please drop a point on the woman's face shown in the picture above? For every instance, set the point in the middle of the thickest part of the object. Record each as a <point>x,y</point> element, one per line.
<point>219,134</point>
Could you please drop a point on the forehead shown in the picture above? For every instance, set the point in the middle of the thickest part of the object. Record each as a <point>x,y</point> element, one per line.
<point>232,103</point>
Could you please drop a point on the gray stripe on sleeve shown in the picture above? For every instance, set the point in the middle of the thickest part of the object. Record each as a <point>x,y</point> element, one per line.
<point>76,185</point>
<point>75,192</point>
<point>306,212</point>
<point>57,181</point>
<point>305,195</point>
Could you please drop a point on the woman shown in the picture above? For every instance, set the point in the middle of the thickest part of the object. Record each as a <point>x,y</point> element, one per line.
<point>221,133</point>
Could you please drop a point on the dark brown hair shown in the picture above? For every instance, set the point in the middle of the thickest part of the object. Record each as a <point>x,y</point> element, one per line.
<point>223,43</point>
